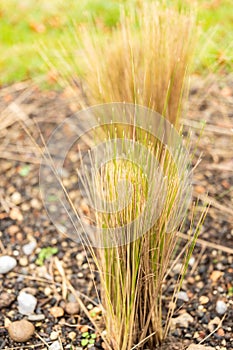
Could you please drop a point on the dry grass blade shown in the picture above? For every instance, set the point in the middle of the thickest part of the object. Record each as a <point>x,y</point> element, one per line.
<point>208,244</point>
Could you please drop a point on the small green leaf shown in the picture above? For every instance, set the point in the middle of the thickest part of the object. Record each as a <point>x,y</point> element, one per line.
<point>85,334</point>
<point>93,336</point>
<point>92,341</point>
<point>45,253</point>
<point>84,342</point>
<point>24,170</point>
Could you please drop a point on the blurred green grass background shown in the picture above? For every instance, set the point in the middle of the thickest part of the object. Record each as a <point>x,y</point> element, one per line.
<point>25,25</point>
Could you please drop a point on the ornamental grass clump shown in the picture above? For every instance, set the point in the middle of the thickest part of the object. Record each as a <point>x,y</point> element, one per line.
<point>139,196</point>
<point>145,60</point>
<point>144,192</point>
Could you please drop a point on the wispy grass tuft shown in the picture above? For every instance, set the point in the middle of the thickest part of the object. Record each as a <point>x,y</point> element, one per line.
<point>134,271</point>
<point>144,60</point>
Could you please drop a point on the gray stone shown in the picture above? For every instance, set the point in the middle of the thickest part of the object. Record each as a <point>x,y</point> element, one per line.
<point>26,303</point>
<point>182,296</point>
<point>221,307</point>
<point>7,263</point>
<point>28,248</point>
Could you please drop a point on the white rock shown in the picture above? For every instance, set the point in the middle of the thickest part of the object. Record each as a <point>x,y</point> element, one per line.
<point>55,346</point>
<point>26,303</point>
<point>181,321</point>
<point>191,261</point>
<point>28,248</point>
<point>221,307</point>
<point>7,263</point>
<point>199,347</point>
<point>182,296</point>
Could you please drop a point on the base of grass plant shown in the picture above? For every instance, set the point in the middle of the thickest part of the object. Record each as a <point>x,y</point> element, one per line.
<point>133,287</point>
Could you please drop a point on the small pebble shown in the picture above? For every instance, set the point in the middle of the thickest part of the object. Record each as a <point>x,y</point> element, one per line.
<point>15,214</point>
<point>182,321</point>
<point>72,308</point>
<point>188,335</point>
<point>7,263</point>
<point>23,261</point>
<point>213,323</point>
<point>57,311</point>
<point>221,307</point>
<point>220,266</point>
<point>191,261</point>
<point>177,268</point>
<point>6,299</point>
<point>182,296</point>
<point>36,317</point>
<point>204,299</point>
<point>220,332</point>
<point>21,331</point>
<point>53,335</point>
<point>28,248</point>
<point>71,297</point>
<point>72,335</point>
<point>84,329</point>
<point>16,198</point>
<point>215,275</point>
<point>12,230</point>
<point>55,346</point>
<point>200,285</point>
<point>35,203</point>
<point>7,322</point>
<point>47,291</point>
<point>190,280</point>
<point>26,303</point>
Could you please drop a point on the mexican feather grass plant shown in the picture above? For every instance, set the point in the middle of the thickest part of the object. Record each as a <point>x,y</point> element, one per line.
<point>133,274</point>
<point>144,61</point>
